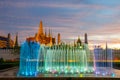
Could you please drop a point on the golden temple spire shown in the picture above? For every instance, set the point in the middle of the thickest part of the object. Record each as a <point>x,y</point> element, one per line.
<point>40,31</point>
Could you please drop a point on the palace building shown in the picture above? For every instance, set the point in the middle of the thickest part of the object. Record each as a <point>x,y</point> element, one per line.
<point>43,38</point>
<point>7,42</point>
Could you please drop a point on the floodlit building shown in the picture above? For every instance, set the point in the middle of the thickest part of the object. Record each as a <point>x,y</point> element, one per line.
<point>44,38</point>
<point>7,42</point>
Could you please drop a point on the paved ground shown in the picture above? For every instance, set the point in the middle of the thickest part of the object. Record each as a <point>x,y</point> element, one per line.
<point>12,72</point>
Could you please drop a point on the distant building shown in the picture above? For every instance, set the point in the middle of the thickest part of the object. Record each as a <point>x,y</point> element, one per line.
<point>116,54</point>
<point>79,41</point>
<point>42,37</point>
<point>7,42</point>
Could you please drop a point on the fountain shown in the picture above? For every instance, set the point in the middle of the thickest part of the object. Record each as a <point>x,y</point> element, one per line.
<point>103,61</point>
<point>38,59</point>
<point>29,59</point>
<point>67,59</point>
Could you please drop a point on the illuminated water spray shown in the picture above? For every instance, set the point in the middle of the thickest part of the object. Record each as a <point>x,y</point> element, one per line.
<point>37,59</point>
<point>68,59</point>
<point>29,59</point>
<point>103,61</point>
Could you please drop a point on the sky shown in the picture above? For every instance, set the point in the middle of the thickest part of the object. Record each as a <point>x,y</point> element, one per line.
<point>72,18</point>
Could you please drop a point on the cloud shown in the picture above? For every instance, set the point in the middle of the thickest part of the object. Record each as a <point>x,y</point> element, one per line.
<point>71,18</point>
<point>54,4</point>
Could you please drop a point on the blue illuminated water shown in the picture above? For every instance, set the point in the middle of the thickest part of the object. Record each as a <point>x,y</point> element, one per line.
<point>29,59</point>
<point>103,61</point>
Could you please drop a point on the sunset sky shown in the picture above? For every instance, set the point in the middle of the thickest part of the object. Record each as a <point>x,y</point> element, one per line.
<point>72,18</point>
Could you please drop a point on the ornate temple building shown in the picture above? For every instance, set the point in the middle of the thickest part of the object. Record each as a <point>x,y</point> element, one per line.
<point>7,42</point>
<point>79,42</point>
<point>44,38</point>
